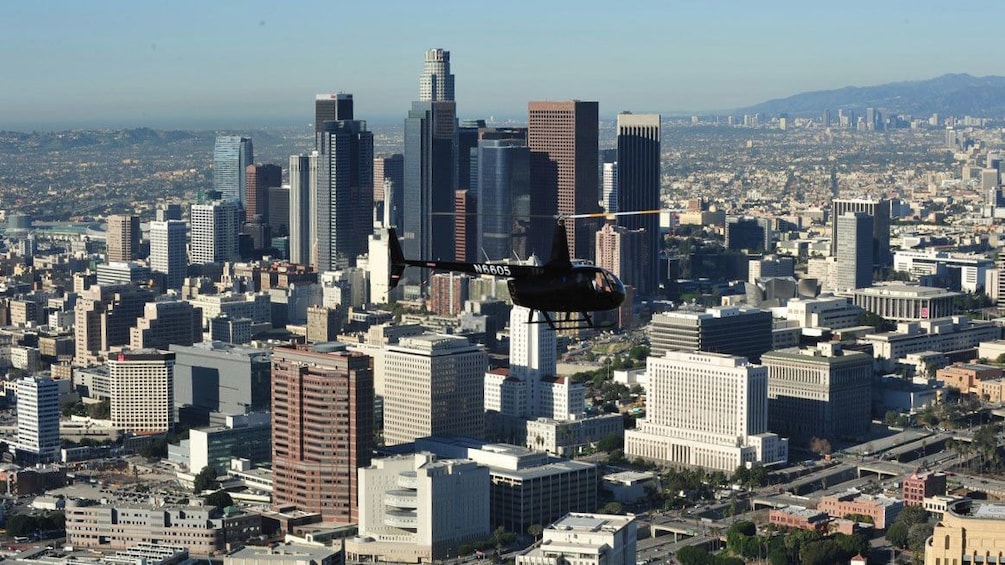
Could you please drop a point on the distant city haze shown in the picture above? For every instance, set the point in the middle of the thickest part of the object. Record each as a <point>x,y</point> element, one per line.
<point>236,64</point>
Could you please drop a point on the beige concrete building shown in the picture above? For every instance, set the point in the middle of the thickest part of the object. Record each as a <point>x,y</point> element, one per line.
<point>141,387</point>
<point>103,318</point>
<point>730,429</point>
<point>416,508</point>
<point>585,539</point>
<point>970,531</point>
<point>906,303</point>
<point>433,386</point>
<point>882,509</point>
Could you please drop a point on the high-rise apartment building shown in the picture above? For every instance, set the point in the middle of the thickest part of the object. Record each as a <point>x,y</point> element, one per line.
<point>823,392</point>
<point>731,427</point>
<point>433,386</point>
<point>639,174</point>
<point>880,211</point>
<point>563,138</point>
<point>322,430</point>
<point>447,293</point>
<point>231,156</point>
<point>465,226</point>
<point>258,180</point>
<point>436,83</point>
<point>732,330</point>
<point>123,238</point>
<point>165,323</point>
<point>141,384</point>
<point>430,181</point>
<point>167,251</point>
<point>303,179</point>
<point>344,212</point>
<point>854,250</point>
<point>331,108</point>
<point>38,419</point>
<point>503,198</point>
<point>215,232</point>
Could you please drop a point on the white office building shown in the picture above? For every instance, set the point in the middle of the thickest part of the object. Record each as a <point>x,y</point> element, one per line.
<point>706,410</point>
<point>38,418</point>
<point>141,384</point>
<point>832,312</point>
<point>585,539</point>
<point>167,251</point>
<point>215,230</point>
<point>416,508</point>
<point>433,386</point>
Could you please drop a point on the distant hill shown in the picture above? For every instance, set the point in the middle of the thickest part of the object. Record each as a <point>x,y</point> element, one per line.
<point>952,94</point>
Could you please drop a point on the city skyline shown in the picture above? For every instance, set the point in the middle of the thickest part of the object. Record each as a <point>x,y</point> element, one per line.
<point>182,65</point>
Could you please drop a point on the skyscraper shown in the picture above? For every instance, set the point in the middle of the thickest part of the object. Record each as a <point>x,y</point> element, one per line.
<point>167,251</point>
<point>609,187</point>
<point>279,210</point>
<point>344,193</point>
<point>430,171</point>
<point>625,252</point>
<point>638,172</point>
<point>231,156</point>
<point>303,176</point>
<point>854,250</point>
<point>215,231</point>
<point>880,211</point>
<point>38,418</point>
<point>563,139</point>
<point>123,238</point>
<point>433,386</point>
<point>503,201</point>
<point>388,174</point>
<point>258,180</point>
<point>331,108</point>
<point>322,430</point>
<point>436,83</point>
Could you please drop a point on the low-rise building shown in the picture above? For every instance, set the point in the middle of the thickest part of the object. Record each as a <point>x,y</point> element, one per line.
<point>944,335</point>
<point>799,518</point>
<point>906,303</point>
<point>585,539</point>
<point>919,487</point>
<point>283,554</point>
<point>882,509</point>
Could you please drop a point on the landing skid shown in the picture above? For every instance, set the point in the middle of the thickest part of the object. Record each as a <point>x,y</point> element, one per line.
<point>567,322</point>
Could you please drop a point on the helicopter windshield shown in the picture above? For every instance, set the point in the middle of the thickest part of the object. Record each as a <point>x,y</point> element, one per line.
<point>603,282</point>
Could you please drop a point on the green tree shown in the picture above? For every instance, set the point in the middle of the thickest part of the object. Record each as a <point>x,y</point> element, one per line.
<point>535,530</point>
<point>100,411</point>
<point>205,480</point>
<point>890,418</point>
<point>896,534</point>
<point>917,535</point>
<point>21,525</point>
<point>821,552</point>
<point>611,442</point>
<point>612,508</point>
<point>220,499</point>
<point>912,515</point>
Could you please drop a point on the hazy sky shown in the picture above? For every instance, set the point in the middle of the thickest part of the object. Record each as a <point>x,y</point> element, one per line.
<point>191,63</point>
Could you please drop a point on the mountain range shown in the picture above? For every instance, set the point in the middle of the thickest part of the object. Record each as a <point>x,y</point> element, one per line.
<point>951,94</point>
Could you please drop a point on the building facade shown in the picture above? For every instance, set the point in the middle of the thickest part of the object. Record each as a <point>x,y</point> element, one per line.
<point>433,386</point>
<point>906,303</point>
<point>322,430</point>
<point>503,201</point>
<point>429,181</point>
<point>824,392</point>
<point>141,384</point>
<point>216,229</point>
<point>344,212</point>
<point>738,331</point>
<point>123,238</point>
<point>168,240</point>
<point>38,418</point>
<point>417,508</point>
<point>970,531</point>
<point>731,429</point>
<point>231,156</point>
<point>563,138</point>
<point>854,251</point>
<point>436,81</point>
<point>586,539</point>
<point>879,210</point>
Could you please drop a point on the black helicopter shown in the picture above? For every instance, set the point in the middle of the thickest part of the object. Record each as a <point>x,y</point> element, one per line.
<point>560,285</point>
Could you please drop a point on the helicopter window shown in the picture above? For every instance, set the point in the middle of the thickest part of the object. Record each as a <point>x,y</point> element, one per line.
<point>602,282</point>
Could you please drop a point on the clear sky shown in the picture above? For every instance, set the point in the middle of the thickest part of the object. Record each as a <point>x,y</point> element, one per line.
<point>228,63</point>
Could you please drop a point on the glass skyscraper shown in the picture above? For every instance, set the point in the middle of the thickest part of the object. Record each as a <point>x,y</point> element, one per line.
<point>503,198</point>
<point>430,179</point>
<point>638,178</point>
<point>231,156</point>
<point>344,209</point>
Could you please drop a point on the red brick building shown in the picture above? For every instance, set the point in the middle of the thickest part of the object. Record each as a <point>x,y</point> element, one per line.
<point>917,487</point>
